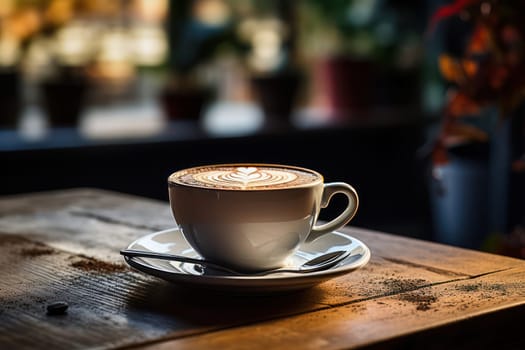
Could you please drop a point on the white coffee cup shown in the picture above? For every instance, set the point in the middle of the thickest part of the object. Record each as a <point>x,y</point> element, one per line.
<point>253,216</point>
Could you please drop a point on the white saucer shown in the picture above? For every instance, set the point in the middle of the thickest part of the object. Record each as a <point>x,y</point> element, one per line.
<point>190,275</point>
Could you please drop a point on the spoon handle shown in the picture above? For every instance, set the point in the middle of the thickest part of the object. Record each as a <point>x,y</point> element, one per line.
<point>145,254</point>
<point>171,257</point>
<point>321,262</point>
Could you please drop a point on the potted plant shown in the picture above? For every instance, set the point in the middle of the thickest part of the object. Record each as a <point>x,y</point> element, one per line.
<point>477,154</point>
<point>364,54</point>
<point>194,42</point>
<point>10,97</point>
<point>63,95</point>
<point>275,75</point>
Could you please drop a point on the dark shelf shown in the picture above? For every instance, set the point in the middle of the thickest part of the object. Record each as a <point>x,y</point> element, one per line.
<point>379,159</point>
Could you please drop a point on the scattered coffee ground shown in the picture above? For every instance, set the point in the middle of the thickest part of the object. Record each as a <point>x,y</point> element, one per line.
<point>474,287</point>
<point>422,300</point>
<point>469,287</point>
<point>497,287</point>
<point>11,240</point>
<point>396,285</point>
<point>37,251</point>
<point>408,291</point>
<point>33,249</point>
<point>94,265</point>
<point>57,308</point>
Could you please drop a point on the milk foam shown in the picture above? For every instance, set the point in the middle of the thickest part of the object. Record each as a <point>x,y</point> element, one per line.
<point>244,177</point>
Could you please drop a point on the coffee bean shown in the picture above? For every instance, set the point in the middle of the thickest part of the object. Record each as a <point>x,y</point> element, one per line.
<point>57,308</point>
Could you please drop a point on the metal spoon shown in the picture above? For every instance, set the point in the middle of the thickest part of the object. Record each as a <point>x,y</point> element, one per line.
<point>318,263</point>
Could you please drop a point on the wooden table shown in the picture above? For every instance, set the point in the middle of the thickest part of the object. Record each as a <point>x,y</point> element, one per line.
<point>64,245</point>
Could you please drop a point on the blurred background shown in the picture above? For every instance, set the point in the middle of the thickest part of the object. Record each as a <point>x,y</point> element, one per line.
<point>119,94</point>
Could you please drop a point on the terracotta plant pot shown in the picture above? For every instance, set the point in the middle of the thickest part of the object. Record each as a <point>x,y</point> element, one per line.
<point>347,84</point>
<point>63,100</point>
<point>10,98</point>
<point>277,95</point>
<point>184,104</point>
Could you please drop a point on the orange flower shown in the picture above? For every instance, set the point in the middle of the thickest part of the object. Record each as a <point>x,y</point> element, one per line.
<point>461,105</point>
<point>471,67</point>
<point>491,71</point>
<point>450,68</point>
<point>480,41</point>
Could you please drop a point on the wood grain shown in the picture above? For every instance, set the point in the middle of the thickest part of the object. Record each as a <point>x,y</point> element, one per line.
<point>372,321</point>
<point>64,245</point>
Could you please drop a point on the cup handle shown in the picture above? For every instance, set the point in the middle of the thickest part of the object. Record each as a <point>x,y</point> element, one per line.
<point>353,203</point>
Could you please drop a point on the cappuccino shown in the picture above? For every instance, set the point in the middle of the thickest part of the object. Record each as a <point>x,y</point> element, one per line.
<point>246,177</point>
<point>253,216</point>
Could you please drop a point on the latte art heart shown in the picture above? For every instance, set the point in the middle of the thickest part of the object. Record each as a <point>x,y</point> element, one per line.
<point>246,170</point>
<point>245,177</point>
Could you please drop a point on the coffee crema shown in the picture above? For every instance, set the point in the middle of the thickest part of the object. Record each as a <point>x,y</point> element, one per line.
<point>245,177</point>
